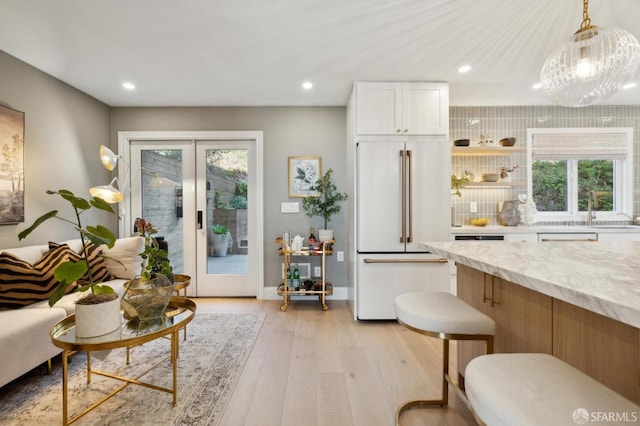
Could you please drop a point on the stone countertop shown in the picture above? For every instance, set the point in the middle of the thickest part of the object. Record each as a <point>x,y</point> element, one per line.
<point>602,277</point>
<point>496,229</point>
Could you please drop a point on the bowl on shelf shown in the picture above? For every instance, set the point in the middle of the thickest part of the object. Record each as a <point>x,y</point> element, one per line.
<point>480,221</point>
<point>461,142</point>
<point>490,177</point>
<point>507,142</point>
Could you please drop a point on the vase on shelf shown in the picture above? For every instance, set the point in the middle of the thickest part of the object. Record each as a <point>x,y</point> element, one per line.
<point>510,213</point>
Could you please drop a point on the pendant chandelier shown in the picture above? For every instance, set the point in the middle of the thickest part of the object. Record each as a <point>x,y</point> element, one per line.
<point>592,66</point>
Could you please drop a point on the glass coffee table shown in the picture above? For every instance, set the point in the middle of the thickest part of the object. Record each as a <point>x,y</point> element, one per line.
<point>177,315</point>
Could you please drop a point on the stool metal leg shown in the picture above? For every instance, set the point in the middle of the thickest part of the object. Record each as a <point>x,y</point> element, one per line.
<point>444,399</point>
<point>446,380</point>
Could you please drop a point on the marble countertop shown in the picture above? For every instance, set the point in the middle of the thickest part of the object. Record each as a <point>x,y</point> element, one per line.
<point>496,229</point>
<point>602,277</point>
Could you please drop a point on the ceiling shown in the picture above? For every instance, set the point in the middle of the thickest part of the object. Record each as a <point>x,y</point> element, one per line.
<point>258,52</point>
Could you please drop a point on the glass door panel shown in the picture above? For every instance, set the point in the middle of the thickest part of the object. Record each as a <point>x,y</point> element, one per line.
<point>223,194</point>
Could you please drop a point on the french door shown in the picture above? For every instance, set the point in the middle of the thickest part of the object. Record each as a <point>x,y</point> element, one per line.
<point>218,188</point>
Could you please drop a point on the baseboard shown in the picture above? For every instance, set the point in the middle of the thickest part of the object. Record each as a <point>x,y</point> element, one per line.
<point>271,293</point>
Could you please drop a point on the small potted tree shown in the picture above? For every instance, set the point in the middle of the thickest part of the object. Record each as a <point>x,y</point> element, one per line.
<point>220,239</point>
<point>326,205</point>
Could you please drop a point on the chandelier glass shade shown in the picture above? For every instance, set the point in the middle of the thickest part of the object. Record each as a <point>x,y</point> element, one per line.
<point>592,66</point>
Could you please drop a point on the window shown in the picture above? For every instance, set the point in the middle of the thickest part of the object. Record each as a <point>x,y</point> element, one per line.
<point>566,165</point>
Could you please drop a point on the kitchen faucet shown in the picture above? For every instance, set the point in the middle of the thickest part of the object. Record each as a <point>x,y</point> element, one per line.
<point>592,203</point>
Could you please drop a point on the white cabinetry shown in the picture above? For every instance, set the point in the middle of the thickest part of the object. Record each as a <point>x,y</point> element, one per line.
<point>527,237</point>
<point>618,236</point>
<point>402,108</point>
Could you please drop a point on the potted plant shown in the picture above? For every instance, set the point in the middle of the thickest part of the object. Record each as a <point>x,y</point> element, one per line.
<point>457,183</point>
<point>326,205</point>
<point>220,239</point>
<point>98,312</point>
<point>155,260</point>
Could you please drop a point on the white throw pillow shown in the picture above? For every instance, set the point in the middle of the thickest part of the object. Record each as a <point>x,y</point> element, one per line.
<point>126,250</point>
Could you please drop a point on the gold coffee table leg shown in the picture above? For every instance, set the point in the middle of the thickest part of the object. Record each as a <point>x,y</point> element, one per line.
<point>175,336</point>
<point>65,367</point>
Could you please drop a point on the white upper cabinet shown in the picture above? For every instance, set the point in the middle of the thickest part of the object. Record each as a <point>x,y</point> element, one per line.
<point>402,108</point>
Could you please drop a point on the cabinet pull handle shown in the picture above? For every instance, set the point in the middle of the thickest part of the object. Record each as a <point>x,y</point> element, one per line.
<point>440,260</point>
<point>398,130</point>
<point>410,161</point>
<point>406,130</point>
<point>403,164</point>
<point>494,299</point>
<point>484,289</point>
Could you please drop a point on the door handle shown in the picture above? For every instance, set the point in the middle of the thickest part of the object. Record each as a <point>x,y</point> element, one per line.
<point>403,165</point>
<point>410,190</point>
<point>199,219</point>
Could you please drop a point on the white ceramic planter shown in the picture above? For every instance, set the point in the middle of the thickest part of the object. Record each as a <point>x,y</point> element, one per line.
<point>97,320</point>
<point>325,234</point>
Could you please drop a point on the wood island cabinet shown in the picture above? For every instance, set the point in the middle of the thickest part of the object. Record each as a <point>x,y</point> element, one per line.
<point>523,317</point>
<point>529,321</point>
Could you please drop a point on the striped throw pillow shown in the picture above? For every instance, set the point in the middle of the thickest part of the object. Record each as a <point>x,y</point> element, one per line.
<point>97,265</point>
<point>22,283</point>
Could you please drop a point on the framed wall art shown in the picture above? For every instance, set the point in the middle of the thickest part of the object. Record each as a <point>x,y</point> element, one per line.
<point>303,174</point>
<point>11,166</point>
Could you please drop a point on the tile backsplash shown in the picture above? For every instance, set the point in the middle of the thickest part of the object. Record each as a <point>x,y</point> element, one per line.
<point>502,122</point>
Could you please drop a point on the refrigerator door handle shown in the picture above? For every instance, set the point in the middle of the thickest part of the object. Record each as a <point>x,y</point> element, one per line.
<point>439,260</point>
<point>403,172</point>
<point>410,191</point>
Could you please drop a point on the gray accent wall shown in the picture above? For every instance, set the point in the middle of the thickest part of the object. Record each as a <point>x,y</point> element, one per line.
<point>63,129</point>
<point>287,131</point>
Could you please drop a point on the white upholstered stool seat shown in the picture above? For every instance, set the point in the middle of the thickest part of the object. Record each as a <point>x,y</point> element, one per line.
<point>443,313</point>
<point>538,389</point>
<point>446,317</point>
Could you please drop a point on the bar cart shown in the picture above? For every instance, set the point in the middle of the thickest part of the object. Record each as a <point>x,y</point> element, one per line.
<point>321,289</point>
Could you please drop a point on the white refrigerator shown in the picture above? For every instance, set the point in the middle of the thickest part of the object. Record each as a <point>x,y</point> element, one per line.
<point>402,199</point>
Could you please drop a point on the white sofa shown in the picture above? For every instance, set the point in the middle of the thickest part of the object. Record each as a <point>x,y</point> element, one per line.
<point>24,334</point>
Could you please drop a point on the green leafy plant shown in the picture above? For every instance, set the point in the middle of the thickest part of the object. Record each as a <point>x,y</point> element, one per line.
<point>154,258</point>
<point>69,272</point>
<point>219,229</point>
<point>458,183</point>
<point>326,205</point>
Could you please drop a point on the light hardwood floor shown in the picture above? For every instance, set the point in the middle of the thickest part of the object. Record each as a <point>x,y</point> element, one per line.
<point>310,367</point>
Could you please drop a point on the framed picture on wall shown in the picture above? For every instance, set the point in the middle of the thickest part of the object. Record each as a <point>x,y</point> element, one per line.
<point>11,166</point>
<point>303,174</point>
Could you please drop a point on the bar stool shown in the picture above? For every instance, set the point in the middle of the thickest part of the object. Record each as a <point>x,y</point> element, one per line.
<point>539,389</point>
<point>442,315</point>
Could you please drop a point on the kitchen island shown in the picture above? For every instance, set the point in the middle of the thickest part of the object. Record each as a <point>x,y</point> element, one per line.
<point>579,301</point>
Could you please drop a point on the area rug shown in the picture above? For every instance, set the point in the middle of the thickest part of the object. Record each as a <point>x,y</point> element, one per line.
<point>210,363</point>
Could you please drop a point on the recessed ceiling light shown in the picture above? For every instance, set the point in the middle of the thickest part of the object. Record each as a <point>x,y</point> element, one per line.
<point>536,86</point>
<point>629,85</point>
<point>464,68</point>
<point>128,85</point>
<point>307,85</point>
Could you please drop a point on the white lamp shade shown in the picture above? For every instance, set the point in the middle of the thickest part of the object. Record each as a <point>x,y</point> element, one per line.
<point>108,158</point>
<point>107,192</point>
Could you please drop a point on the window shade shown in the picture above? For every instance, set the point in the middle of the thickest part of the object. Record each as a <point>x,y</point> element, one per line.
<point>600,146</point>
